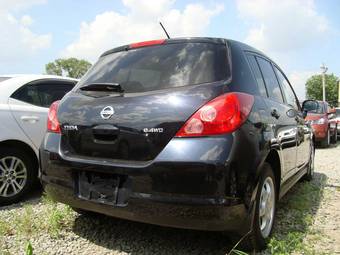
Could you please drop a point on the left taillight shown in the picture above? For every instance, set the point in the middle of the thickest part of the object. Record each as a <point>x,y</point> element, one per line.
<point>52,119</point>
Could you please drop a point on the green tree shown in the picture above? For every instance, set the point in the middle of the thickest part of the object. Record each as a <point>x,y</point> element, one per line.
<point>314,88</point>
<point>70,67</point>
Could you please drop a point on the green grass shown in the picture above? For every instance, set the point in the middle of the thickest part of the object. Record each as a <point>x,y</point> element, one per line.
<point>50,218</point>
<point>295,217</point>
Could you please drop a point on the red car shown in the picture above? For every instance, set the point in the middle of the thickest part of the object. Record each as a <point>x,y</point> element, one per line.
<point>324,128</point>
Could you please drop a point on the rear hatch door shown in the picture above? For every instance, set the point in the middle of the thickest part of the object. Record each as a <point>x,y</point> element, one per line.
<point>132,102</point>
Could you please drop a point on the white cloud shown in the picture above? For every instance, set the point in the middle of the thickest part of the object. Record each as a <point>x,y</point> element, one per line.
<point>17,40</point>
<point>13,5</point>
<point>298,81</point>
<point>140,22</point>
<point>277,26</point>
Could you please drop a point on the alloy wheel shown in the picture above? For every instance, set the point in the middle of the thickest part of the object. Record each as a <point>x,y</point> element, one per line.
<point>13,176</point>
<point>267,207</point>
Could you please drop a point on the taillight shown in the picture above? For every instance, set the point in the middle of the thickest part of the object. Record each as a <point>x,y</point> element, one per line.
<point>147,43</point>
<point>52,119</point>
<point>221,115</point>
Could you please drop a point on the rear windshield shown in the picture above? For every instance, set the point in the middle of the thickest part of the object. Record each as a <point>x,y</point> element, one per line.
<point>320,109</point>
<point>161,67</point>
<point>4,78</point>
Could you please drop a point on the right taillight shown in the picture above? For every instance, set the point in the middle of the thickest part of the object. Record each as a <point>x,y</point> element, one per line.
<point>52,119</point>
<point>221,115</point>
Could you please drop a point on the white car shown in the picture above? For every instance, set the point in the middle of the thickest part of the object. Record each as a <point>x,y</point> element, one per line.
<point>24,103</point>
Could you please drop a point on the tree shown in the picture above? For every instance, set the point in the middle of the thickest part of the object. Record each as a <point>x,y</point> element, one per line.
<point>314,88</point>
<point>70,67</point>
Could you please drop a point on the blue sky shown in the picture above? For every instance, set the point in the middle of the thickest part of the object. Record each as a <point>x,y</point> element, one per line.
<point>298,34</point>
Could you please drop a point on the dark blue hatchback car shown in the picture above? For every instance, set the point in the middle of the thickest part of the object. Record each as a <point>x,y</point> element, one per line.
<point>198,133</point>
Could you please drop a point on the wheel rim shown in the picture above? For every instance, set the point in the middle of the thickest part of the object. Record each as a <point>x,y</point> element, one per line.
<point>13,176</point>
<point>267,207</point>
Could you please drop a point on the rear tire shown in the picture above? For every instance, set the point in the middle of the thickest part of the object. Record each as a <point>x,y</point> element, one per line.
<point>310,171</point>
<point>18,175</point>
<point>265,208</point>
<point>326,141</point>
<point>335,136</point>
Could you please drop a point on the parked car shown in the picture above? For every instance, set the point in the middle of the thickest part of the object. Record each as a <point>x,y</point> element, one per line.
<point>24,103</point>
<point>325,131</point>
<point>197,133</point>
<point>336,121</point>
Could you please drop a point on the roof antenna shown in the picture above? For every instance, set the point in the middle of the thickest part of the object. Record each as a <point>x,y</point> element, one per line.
<point>164,30</point>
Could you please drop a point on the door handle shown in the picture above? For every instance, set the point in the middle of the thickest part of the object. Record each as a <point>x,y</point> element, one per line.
<point>29,118</point>
<point>275,113</point>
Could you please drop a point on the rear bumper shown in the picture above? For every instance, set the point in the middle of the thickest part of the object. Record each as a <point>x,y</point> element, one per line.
<point>186,186</point>
<point>163,212</point>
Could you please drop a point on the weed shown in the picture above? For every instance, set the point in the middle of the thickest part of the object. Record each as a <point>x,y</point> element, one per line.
<point>58,217</point>
<point>29,248</point>
<point>24,223</point>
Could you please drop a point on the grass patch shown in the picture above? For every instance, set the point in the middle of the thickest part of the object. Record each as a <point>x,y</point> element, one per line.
<point>58,219</point>
<point>295,216</point>
<point>48,217</point>
<point>52,219</point>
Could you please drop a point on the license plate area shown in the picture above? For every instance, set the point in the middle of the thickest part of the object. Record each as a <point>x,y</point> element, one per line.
<point>109,189</point>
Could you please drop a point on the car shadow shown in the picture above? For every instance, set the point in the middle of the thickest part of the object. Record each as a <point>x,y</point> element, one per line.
<point>139,238</point>
<point>331,145</point>
<point>33,198</point>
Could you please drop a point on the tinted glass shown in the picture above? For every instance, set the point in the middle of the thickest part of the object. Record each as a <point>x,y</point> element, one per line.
<point>258,76</point>
<point>270,79</point>
<point>42,95</point>
<point>338,112</point>
<point>161,67</point>
<point>287,90</point>
<point>314,107</point>
<point>4,78</point>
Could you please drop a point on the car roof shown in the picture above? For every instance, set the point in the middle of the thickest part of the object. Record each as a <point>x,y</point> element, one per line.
<point>17,80</point>
<point>243,46</point>
<point>174,40</point>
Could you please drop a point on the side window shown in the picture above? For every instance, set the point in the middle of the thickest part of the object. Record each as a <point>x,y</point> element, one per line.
<point>287,90</point>
<point>43,94</point>
<point>270,80</point>
<point>258,76</point>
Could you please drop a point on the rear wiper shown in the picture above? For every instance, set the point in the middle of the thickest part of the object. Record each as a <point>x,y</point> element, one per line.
<point>102,86</point>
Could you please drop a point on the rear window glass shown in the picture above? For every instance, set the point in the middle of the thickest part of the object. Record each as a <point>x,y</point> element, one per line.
<point>161,67</point>
<point>4,78</point>
<point>320,109</point>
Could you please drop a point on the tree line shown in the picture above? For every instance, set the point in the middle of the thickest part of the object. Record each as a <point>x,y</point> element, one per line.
<point>314,88</point>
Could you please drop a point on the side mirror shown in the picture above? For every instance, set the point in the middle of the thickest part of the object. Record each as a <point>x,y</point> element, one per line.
<point>309,106</point>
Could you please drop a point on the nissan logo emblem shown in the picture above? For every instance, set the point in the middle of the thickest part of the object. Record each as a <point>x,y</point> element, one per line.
<point>107,112</point>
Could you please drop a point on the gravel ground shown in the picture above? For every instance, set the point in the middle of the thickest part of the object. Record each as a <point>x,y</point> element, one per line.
<point>327,217</point>
<point>77,234</point>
